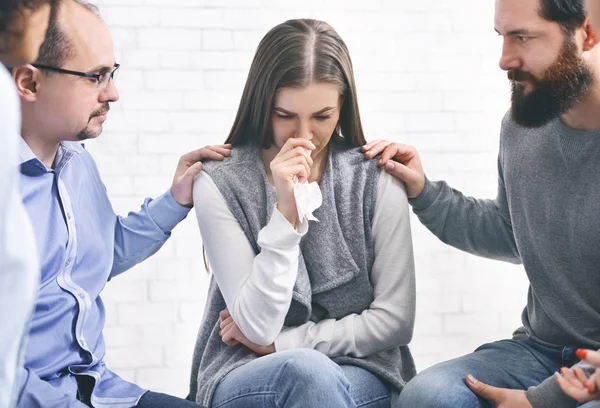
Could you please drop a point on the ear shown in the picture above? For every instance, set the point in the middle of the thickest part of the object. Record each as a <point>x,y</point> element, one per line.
<point>591,39</point>
<point>27,81</point>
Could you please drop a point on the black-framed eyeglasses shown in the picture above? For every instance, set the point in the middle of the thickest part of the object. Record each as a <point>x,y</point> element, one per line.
<point>100,79</point>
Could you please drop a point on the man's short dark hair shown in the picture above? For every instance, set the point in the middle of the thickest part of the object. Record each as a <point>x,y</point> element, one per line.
<point>57,48</point>
<point>570,14</point>
<point>11,10</point>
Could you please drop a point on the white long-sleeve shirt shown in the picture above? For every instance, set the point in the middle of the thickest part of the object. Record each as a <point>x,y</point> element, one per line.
<point>19,265</point>
<point>258,288</point>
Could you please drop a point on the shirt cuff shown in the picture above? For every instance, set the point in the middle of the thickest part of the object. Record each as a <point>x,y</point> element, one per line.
<point>430,192</point>
<point>166,212</point>
<point>279,233</point>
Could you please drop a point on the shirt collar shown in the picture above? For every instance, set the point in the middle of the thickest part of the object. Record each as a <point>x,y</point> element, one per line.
<point>66,150</point>
<point>25,152</point>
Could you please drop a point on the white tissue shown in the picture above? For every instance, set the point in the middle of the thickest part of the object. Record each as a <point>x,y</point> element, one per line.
<point>308,198</point>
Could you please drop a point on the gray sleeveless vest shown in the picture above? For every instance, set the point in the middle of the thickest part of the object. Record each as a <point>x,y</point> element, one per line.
<point>334,264</point>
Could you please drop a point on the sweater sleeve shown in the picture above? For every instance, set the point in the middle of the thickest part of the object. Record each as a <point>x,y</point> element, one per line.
<point>480,227</point>
<point>389,320</point>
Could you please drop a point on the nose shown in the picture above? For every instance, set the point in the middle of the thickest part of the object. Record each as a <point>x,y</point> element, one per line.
<point>109,93</point>
<point>509,58</point>
<point>304,131</point>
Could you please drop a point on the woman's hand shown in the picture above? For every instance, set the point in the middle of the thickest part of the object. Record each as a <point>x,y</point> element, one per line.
<point>293,162</point>
<point>576,384</point>
<point>232,336</point>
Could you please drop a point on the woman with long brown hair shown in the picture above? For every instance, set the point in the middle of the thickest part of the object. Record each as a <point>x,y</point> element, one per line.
<point>303,313</point>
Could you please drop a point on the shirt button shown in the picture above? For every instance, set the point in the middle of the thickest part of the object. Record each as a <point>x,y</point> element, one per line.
<point>68,216</point>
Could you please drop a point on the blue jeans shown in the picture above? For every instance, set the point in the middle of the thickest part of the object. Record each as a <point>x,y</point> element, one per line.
<point>300,378</point>
<point>158,400</point>
<point>515,364</point>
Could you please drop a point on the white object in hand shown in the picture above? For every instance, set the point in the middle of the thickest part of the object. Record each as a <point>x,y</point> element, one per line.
<point>308,197</point>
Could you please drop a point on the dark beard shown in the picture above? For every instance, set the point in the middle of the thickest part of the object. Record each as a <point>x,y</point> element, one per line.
<point>563,85</point>
<point>88,133</point>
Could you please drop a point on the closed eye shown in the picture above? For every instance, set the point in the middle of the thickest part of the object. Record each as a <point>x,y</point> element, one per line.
<point>280,116</point>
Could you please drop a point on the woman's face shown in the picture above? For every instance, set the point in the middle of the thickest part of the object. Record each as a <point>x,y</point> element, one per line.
<point>593,10</point>
<point>312,113</point>
<point>32,27</point>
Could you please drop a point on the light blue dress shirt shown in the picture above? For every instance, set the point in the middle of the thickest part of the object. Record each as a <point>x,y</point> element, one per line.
<point>82,245</point>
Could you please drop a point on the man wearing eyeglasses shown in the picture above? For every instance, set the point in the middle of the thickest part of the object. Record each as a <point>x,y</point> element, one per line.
<point>66,97</point>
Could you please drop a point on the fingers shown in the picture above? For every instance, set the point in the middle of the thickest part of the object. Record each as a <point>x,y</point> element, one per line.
<point>369,146</point>
<point>209,152</point>
<point>582,378</point>
<point>377,147</point>
<point>399,152</point>
<point>302,171</point>
<point>398,170</point>
<point>589,356</point>
<point>594,382</point>
<point>294,142</point>
<point>572,386</point>
<point>224,149</point>
<point>483,390</point>
<point>228,329</point>
<point>414,180</point>
<point>232,343</point>
<point>295,162</point>
<point>297,152</point>
<point>228,332</point>
<point>226,322</point>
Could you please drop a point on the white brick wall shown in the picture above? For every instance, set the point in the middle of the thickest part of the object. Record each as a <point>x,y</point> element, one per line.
<point>426,73</point>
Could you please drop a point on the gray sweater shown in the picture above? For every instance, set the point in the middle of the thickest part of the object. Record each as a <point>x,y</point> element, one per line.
<point>545,215</point>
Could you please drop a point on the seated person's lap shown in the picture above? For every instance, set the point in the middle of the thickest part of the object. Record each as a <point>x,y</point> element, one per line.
<point>515,364</point>
<point>303,375</point>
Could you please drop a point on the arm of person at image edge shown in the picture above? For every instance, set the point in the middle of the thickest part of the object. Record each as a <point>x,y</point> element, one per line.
<point>258,303</point>
<point>480,227</point>
<point>142,233</point>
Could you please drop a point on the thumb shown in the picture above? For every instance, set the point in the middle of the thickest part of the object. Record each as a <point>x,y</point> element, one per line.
<point>398,170</point>
<point>411,178</point>
<point>192,172</point>
<point>483,390</point>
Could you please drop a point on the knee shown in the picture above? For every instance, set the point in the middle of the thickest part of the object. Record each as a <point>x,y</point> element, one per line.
<point>312,367</point>
<point>437,388</point>
<point>315,380</point>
